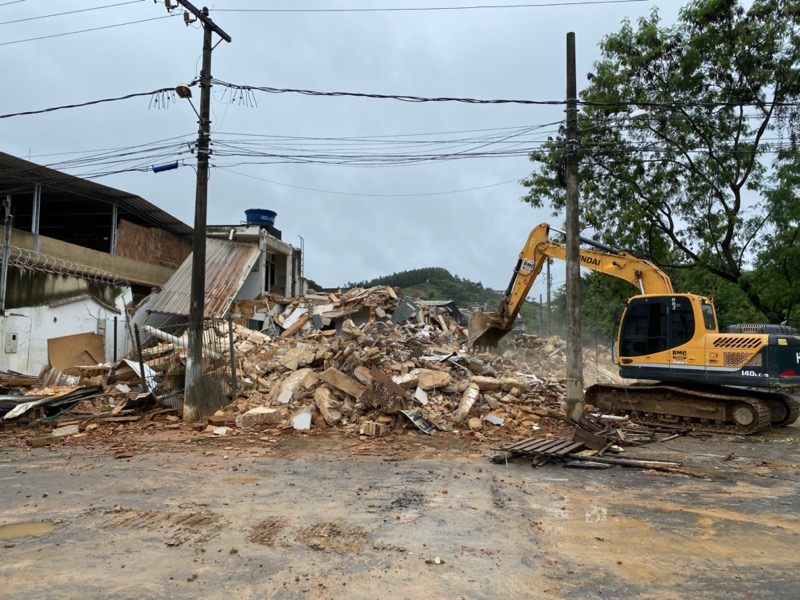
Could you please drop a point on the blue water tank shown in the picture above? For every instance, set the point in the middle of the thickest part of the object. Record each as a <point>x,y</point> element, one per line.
<point>260,216</point>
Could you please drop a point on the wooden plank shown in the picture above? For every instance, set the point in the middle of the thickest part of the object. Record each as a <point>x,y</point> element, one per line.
<point>295,326</point>
<point>590,440</point>
<point>574,447</point>
<point>523,445</point>
<point>532,446</point>
<point>554,446</point>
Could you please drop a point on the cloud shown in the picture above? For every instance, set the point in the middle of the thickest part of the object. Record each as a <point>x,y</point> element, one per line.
<point>501,53</point>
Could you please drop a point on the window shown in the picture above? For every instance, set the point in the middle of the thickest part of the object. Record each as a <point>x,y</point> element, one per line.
<point>644,328</point>
<point>709,320</point>
<point>681,320</point>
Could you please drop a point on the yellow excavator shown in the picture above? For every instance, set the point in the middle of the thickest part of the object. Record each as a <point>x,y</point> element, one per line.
<point>740,381</point>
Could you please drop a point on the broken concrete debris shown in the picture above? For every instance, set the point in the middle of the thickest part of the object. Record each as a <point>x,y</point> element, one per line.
<point>362,366</point>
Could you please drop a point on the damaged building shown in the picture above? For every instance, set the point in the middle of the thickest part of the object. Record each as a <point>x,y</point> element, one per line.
<point>75,255</point>
<point>243,261</point>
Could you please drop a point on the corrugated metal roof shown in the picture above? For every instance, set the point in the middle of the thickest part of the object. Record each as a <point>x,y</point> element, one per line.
<point>17,176</point>
<point>227,266</point>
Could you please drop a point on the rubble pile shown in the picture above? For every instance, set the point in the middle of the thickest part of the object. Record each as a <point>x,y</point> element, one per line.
<point>386,372</point>
<point>368,361</point>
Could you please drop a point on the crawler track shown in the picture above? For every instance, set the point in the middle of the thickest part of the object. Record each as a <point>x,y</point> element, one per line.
<point>716,410</point>
<point>785,410</point>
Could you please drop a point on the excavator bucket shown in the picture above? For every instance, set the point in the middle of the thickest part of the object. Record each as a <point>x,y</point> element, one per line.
<point>485,330</point>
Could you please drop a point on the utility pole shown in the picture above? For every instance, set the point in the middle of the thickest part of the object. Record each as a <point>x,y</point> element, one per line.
<point>574,355</point>
<point>8,222</point>
<point>549,285</point>
<point>194,351</point>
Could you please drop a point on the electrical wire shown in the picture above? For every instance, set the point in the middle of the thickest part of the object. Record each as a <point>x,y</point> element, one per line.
<point>423,8</point>
<point>358,194</point>
<point>82,104</point>
<point>70,12</point>
<point>424,99</point>
<point>55,35</point>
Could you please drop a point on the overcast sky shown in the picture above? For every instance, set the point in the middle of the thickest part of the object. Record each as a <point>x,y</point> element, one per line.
<point>358,221</point>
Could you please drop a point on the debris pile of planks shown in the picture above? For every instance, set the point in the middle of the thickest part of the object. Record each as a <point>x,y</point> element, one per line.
<point>109,392</point>
<point>600,448</point>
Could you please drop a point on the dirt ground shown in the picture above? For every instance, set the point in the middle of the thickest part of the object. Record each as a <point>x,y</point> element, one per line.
<point>132,513</point>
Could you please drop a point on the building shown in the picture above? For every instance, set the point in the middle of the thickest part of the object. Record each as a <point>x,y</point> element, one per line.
<point>243,261</point>
<point>75,254</point>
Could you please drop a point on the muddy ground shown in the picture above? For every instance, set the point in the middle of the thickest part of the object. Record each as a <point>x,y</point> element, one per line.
<point>180,514</point>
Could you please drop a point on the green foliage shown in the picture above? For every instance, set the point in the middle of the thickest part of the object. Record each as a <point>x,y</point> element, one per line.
<point>434,283</point>
<point>696,183</point>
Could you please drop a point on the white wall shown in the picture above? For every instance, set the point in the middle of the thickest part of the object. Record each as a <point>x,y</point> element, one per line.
<point>30,328</point>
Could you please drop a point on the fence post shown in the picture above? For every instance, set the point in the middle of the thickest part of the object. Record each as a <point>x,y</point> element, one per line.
<point>233,357</point>
<point>145,387</point>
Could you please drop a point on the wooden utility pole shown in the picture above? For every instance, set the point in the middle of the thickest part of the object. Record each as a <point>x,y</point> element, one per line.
<point>549,285</point>
<point>8,222</point>
<point>574,355</point>
<point>194,350</point>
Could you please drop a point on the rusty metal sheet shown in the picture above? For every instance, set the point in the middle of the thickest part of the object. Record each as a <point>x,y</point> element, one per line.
<point>227,265</point>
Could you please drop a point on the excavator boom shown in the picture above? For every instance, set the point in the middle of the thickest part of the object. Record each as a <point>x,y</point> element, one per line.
<point>487,329</point>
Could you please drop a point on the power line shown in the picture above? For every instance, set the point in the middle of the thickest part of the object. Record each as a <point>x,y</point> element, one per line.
<point>89,103</point>
<point>309,189</point>
<point>70,12</point>
<point>424,99</point>
<point>402,98</point>
<point>12,2</point>
<point>55,35</point>
<point>422,8</point>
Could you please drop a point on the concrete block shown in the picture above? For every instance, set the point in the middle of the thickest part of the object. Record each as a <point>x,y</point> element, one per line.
<point>261,415</point>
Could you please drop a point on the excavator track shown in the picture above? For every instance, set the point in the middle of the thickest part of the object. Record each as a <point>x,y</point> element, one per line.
<point>785,410</point>
<point>701,409</point>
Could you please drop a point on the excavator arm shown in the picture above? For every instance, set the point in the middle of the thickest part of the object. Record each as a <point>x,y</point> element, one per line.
<point>487,329</point>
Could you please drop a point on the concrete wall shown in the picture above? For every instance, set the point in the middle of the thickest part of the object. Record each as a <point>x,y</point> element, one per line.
<point>151,245</point>
<point>126,268</point>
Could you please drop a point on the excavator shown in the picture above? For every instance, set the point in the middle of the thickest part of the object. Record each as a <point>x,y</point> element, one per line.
<point>688,374</point>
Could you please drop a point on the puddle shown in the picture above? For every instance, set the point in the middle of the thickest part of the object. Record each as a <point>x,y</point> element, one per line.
<point>19,530</point>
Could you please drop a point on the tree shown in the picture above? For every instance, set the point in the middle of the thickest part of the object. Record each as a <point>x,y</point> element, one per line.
<point>702,178</point>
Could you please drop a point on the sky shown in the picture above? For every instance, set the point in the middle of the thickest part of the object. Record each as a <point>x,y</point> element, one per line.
<point>337,170</point>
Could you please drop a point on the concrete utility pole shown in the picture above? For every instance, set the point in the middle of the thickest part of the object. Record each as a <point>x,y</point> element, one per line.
<point>194,352</point>
<point>574,355</point>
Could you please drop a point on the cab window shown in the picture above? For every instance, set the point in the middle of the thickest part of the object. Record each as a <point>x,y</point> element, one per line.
<point>708,317</point>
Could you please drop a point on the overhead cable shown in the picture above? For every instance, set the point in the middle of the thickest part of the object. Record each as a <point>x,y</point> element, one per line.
<point>69,12</point>
<point>423,8</point>
<point>338,193</point>
<point>88,103</point>
<point>55,35</point>
<point>422,99</point>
